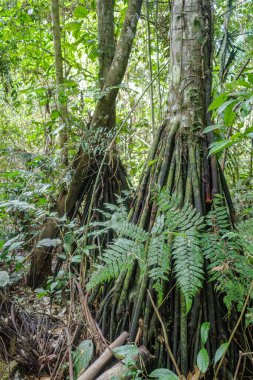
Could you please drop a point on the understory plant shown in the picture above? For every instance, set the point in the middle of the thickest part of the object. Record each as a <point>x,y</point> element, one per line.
<point>178,246</point>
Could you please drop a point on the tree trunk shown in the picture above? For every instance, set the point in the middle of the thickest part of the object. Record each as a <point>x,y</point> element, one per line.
<point>60,90</point>
<point>112,177</point>
<point>180,164</point>
<point>106,46</point>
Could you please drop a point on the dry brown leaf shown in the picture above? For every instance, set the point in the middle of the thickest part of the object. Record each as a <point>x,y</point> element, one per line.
<point>195,375</point>
<point>220,268</point>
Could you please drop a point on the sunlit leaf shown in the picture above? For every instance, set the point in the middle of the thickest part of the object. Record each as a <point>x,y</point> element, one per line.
<point>80,12</point>
<point>216,103</point>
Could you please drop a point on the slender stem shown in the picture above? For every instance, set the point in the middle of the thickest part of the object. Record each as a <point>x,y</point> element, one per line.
<point>238,365</point>
<point>234,331</point>
<point>183,336</point>
<point>166,339</point>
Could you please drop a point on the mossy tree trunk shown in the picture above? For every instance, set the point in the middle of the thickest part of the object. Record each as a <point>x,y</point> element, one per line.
<point>86,164</point>
<point>181,165</point>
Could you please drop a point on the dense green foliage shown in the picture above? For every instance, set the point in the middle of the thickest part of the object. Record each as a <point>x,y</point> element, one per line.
<point>180,233</point>
<point>180,252</point>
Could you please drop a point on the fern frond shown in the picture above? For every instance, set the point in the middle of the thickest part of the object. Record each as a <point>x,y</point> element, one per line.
<point>129,230</point>
<point>117,257</point>
<point>112,220</point>
<point>188,262</point>
<point>215,251</point>
<point>158,258</point>
<point>159,225</point>
<point>179,218</point>
<point>217,218</point>
<point>245,229</point>
<point>228,266</point>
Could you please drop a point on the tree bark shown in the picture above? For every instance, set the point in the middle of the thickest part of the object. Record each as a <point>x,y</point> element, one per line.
<point>85,167</point>
<point>61,100</point>
<point>106,46</point>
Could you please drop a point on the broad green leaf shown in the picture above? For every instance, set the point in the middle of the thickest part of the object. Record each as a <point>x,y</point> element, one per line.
<point>49,243</point>
<point>238,94</point>
<point>4,278</point>
<point>41,292</point>
<point>69,238</point>
<point>54,285</point>
<point>219,353</point>
<point>126,353</point>
<point>152,162</point>
<point>163,374</point>
<point>224,106</point>
<point>72,27</point>
<point>54,115</point>
<point>229,115</point>
<point>10,242</point>
<point>13,246</point>
<point>80,12</point>
<point>76,259</point>
<point>216,103</point>
<point>250,78</point>
<point>82,357</point>
<point>188,304</point>
<point>204,331</point>
<point>243,83</point>
<point>88,248</point>
<point>203,360</point>
<point>219,146</point>
<point>213,127</point>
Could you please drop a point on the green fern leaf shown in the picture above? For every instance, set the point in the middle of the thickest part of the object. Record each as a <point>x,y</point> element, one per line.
<point>117,257</point>
<point>158,259</point>
<point>188,262</point>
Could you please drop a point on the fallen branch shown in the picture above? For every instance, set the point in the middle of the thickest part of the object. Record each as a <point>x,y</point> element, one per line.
<point>123,371</point>
<point>95,369</point>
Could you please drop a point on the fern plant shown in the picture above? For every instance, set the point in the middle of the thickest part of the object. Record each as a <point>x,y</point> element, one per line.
<point>179,244</point>
<point>228,254</point>
<point>174,237</point>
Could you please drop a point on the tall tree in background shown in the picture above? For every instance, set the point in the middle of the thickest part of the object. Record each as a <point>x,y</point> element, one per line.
<point>85,168</point>
<point>177,162</point>
<point>61,98</point>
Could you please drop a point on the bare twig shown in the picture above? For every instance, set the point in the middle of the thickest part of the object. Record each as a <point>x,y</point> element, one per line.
<point>71,368</point>
<point>92,326</point>
<point>166,340</point>
<point>234,331</point>
<point>241,355</point>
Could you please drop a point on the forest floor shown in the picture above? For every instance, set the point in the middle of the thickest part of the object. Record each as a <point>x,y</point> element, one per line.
<point>34,334</point>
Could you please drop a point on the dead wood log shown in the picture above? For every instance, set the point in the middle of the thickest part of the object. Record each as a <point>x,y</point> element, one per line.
<point>123,371</point>
<point>95,369</point>
<point>118,370</point>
